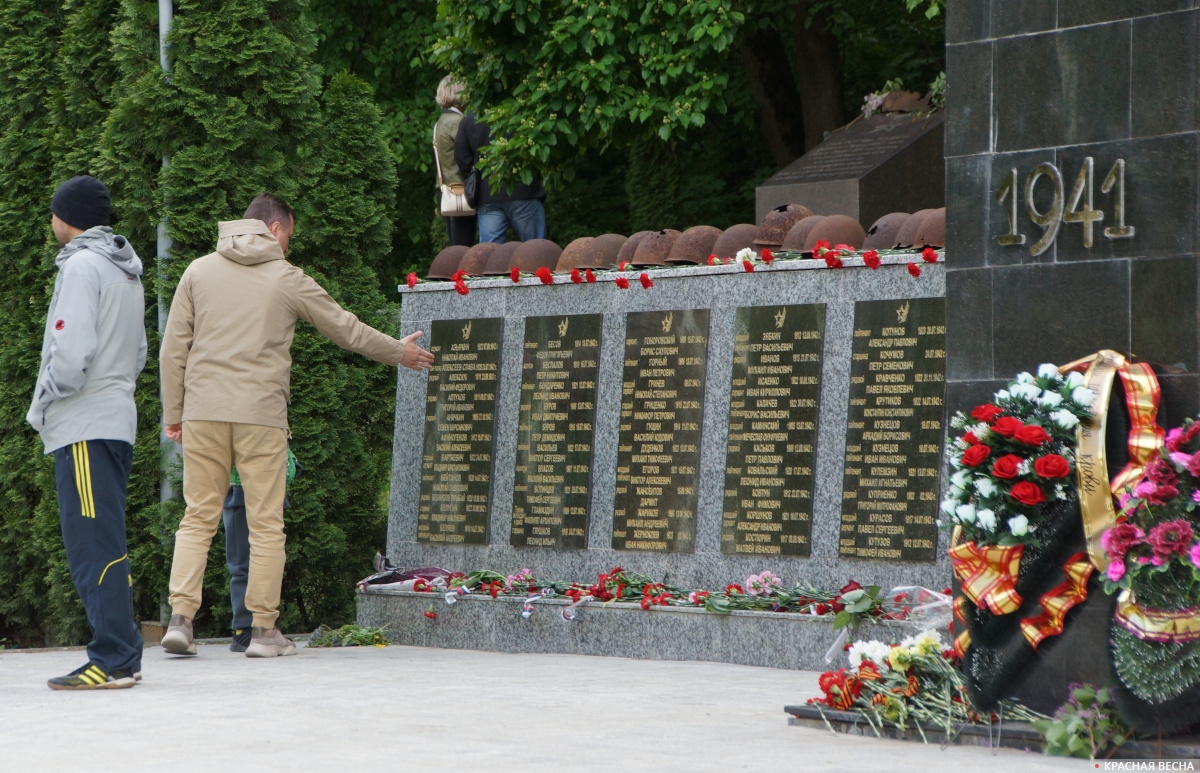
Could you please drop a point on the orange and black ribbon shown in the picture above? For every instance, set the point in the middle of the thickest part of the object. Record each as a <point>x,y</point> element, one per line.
<point>988,575</point>
<point>1059,600</point>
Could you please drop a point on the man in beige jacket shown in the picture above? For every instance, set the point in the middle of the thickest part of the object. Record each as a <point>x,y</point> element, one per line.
<point>226,371</point>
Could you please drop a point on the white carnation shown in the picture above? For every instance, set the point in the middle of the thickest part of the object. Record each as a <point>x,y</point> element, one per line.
<point>1050,399</point>
<point>874,651</point>
<point>1073,380</point>
<point>948,506</point>
<point>1024,378</point>
<point>986,519</point>
<point>1082,396</point>
<point>746,253</point>
<point>1047,370</point>
<point>1002,395</point>
<point>1027,391</point>
<point>961,478</point>
<point>965,513</point>
<point>985,487</point>
<point>1064,419</point>
<point>1018,525</point>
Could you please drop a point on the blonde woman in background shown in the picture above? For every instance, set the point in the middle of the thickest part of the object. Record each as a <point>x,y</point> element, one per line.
<point>461,229</point>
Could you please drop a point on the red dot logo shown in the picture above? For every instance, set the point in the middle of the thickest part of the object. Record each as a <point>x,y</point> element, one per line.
<point>59,325</point>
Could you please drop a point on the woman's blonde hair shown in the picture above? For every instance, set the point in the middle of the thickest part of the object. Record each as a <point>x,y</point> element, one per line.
<point>448,92</point>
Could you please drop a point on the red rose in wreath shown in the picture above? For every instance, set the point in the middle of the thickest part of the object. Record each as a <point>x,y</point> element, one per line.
<point>986,412</point>
<point>1006,467</point>
<point>1052,466</point>
<point>1007,426</point>
<point>1027,493</point>
<point>1032,435</point>
<point>975,455</point>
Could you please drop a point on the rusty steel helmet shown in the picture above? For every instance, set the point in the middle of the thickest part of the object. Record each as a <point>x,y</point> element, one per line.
<point>630,247</point>
<point>694,245</point>
<point>574,254</point>
<point>535,254</point>
<point>932,232</point>
<point>654,248</point>
<point>778,222</point>
<point>605,251</point>
<point>498,263</point>
<point>906,237</point>
<point>882,235</point>
<point>446,262</point>
<point>836,229</point>
<point>798,234</point>
<point>475,260</point>
<point>735,239</point>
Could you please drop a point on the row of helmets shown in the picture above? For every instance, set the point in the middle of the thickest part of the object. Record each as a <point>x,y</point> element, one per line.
<point>791,227</point>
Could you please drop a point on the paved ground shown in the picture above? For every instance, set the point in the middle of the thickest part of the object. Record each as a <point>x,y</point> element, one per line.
<point>412,709</point>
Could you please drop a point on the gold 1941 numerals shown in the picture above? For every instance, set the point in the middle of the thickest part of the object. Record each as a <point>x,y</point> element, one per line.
<point>1077,208</point>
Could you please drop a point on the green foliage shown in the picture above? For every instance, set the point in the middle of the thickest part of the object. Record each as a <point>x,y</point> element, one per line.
<point>1086,726</point>
<point>350,635</point>
<point>595,74</point>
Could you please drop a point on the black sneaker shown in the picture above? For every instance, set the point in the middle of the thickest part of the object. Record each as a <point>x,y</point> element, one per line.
<point>91,677</point>
<point>241,640</point>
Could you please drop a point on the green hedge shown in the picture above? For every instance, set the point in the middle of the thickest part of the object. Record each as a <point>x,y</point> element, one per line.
<point>244,110</point>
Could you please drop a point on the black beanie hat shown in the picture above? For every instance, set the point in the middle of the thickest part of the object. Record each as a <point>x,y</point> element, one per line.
<point>82,202</point>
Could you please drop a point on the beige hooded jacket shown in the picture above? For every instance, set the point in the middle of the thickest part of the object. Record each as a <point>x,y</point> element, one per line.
<point>226,353</point>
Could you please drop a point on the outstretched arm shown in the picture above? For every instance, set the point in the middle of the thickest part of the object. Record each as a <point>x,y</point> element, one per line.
<point>348,332</point>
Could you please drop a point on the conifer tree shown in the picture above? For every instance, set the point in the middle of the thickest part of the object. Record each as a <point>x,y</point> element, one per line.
<point>343,404</point>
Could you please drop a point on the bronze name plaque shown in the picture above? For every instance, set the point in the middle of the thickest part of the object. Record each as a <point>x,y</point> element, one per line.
<point>773,406</point>
<point>662,405</point>
<point>894,438</point>
<point>555,431</point>
<point>460,420</point>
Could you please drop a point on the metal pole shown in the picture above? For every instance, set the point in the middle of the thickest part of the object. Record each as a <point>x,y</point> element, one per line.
<point>170,451</point>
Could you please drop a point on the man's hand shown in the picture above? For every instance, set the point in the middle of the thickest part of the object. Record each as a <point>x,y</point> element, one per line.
<point>174,432</point>
<point>414,356</point>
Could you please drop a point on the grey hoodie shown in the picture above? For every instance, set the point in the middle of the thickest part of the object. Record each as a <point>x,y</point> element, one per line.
<point>94,346</point>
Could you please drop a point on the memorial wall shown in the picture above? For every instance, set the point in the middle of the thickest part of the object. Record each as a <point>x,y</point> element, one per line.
<point>714,425</point>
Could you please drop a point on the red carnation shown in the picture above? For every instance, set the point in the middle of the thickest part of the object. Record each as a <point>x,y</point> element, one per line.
<point>821,609</point>
<point>515,274</point>
<point>1027,493</point>
<point>1007,426</point>
<point>767,256</point>
<point>929,255</point>
<point>1032,435</point>
<point>975,455</point>
<point>1006,467</point>
<point>622,266</point>
<point>457,275</point>
<point>843,248</point>
<point>748,266</point>
<point>576,277</point>
<point>544,274</point>
<point>871,259</point>
<point>821,247</point>
<point>622,282</point>
<point>588,275</point>
<point>733,588</point>
<point>431,614</point>
<point>461,287</point>
<point>1052,466</point>
<point>412,280</point>
<point>713,260</point>
<point>645,280</point>
<point>852,585</point>
<point>833,259</point>
<point>914,269</point>
<point>986,412</point>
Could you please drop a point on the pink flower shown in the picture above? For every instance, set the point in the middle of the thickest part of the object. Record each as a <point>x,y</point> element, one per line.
<point>1118,540</point>
<point>1170,538</point>
<point>1163,494</point>
<point>1116,570</point>
<point>1194,555</point>
<point>1180,458</point>
<point>1144,489</point>
<point>1196,496</point>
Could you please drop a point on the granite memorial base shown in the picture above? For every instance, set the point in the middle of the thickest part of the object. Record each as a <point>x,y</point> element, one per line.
<point>714,425</point>
<point>479,622</point>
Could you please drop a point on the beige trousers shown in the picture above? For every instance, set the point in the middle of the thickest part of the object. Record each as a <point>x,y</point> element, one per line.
<point>210,450</point>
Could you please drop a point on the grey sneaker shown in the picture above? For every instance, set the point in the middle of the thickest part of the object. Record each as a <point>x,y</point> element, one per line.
<point>178,639</point>
<point>269,643</point>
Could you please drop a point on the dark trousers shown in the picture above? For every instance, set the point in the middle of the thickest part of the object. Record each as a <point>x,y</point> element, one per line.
<point>461,230</point>
<point>92,477</point>
<point>237,555</point>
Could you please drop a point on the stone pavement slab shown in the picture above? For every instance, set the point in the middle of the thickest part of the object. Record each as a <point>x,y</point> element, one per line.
<point>414,709</point>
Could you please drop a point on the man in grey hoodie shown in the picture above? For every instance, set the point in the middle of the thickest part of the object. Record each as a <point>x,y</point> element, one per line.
<point>93,350</point>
